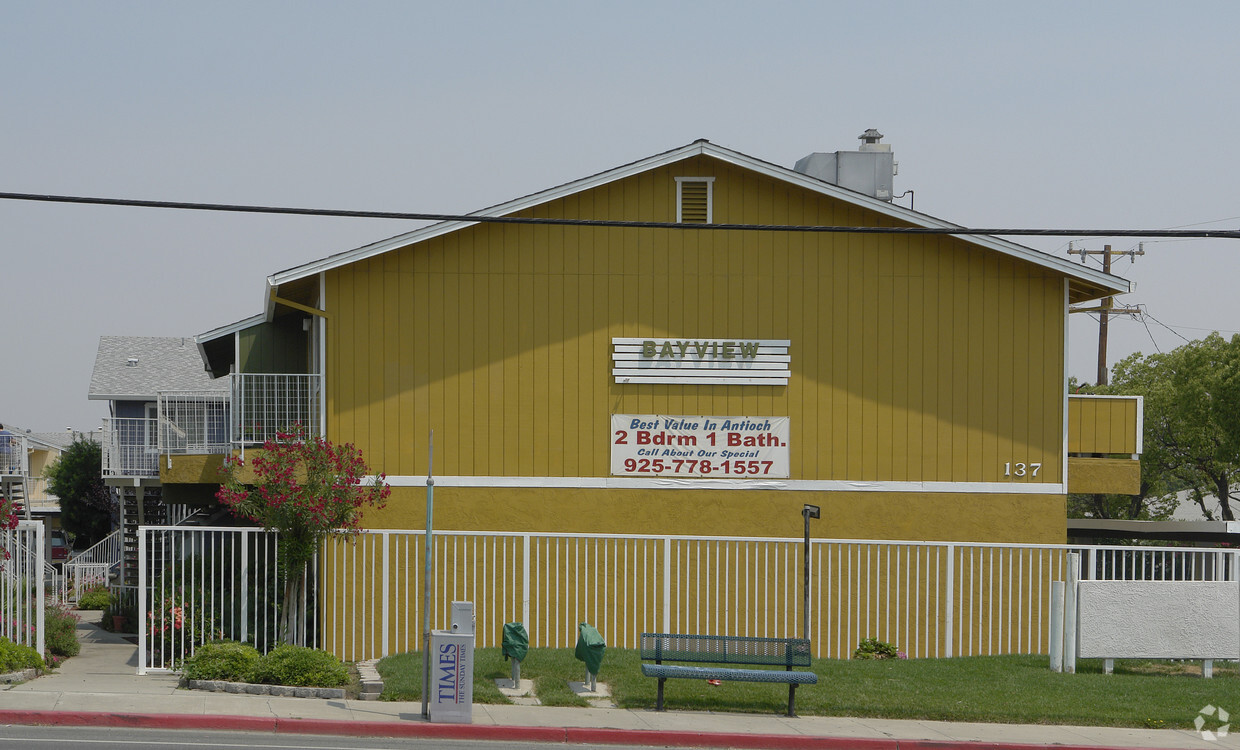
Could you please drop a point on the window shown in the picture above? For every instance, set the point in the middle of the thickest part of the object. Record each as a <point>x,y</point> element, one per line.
<point>693,200</point>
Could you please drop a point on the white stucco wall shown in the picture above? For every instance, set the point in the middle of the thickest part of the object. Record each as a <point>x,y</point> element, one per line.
<point>1158,620</point>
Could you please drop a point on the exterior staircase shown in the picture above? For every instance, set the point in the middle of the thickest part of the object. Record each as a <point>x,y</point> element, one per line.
<point>138,509</point>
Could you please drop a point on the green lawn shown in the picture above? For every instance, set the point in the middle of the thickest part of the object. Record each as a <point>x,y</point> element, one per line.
<point>1000,689</point>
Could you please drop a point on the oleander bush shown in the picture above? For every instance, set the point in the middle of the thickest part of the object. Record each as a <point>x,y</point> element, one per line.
<point>300,666</point>
<point>15,657</point>
<point>60,637</point>
<point>223,660</point>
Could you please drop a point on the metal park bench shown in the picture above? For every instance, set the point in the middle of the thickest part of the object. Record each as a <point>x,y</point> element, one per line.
<point>721,649</point>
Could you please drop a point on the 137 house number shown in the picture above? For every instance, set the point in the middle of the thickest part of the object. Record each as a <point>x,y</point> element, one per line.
<point>1021,470</point>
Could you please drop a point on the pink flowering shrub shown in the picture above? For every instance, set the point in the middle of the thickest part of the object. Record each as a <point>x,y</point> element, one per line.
<point>178,624</point>
<point>306,489</point>
<point>8,522</point>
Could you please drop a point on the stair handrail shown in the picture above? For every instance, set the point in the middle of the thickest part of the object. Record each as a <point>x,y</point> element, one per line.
<point>99,553</point>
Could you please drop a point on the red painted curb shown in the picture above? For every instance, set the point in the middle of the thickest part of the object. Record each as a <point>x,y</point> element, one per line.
<point>558,735</point>
<point>273,724</point>
<point>721,739</point>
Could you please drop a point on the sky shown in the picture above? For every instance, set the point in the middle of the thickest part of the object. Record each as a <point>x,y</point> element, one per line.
<point>1056,115</point>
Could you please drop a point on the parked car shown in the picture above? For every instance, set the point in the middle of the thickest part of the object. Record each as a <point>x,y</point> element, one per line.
<point>58,547</point>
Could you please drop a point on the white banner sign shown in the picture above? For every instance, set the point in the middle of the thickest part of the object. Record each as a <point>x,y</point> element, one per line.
<point>701,361</point>
<point>653,445</point>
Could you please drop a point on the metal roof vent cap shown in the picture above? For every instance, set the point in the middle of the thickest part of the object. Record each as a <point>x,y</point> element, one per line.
<point>132,362</point>
<point>870,141</point>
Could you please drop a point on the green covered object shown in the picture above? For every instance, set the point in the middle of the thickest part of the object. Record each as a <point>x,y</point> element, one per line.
<point>590,647</point>
<point>516,641</point>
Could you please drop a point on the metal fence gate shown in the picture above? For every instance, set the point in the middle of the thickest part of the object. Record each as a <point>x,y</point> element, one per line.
<point>23,585</point>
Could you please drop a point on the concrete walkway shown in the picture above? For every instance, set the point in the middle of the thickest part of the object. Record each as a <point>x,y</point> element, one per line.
<point>100,687</point>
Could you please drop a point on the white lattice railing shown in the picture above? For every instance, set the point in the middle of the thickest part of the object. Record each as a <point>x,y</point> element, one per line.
<point>254,409</point>
<point>14,458</point>
<point>930,599</point>
<point>193,422</point>
<point>130,447</point>
<point>264,405</point>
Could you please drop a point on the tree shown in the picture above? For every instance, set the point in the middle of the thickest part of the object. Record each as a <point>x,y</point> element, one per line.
<point>86,504</point>
<point>1192,407</point>
<point>307,489</point>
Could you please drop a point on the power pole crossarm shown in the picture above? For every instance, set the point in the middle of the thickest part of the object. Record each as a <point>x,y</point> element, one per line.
<point>1106,309</point>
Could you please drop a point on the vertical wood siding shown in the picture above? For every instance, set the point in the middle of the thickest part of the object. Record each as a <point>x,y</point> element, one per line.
<point>918,358</point>
<point>1099,424</point>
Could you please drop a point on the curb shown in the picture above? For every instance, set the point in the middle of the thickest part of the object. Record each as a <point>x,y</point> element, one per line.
<point>562,735</point>
<point>250,688</point>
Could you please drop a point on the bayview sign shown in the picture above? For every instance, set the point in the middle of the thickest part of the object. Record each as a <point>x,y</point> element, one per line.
<point>701,361</point>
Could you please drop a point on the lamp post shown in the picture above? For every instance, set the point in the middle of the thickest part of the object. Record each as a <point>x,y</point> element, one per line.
<point>807,512</point>
<point>427,573</point>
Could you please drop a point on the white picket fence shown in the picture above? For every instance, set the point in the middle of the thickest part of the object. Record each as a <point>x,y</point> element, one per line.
<point>930,599</point>
<point>23,585</point>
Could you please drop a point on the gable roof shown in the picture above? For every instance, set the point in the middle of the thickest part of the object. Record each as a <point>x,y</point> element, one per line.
<point>160,364</point>
<point>1084,283</point>
<point>56,440</point>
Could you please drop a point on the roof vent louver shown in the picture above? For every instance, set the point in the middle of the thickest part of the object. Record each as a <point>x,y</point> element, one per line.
<point>693,200</point>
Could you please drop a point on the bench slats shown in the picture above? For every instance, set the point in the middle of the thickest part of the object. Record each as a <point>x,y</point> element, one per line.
<point>726,649</point>
<point>666,671</point>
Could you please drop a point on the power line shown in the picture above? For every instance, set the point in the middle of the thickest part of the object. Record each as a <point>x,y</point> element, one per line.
<point>1164,325</point>
<point>234,208</point>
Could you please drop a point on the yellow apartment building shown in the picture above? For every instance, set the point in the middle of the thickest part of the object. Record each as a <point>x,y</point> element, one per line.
<point>655,364</point>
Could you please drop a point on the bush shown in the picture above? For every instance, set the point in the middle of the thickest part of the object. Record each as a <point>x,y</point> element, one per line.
<point>872,648</point>
<point>96,598</point>
<point>61,636</point>
<point>223,660</point>
<point>177,624</point>
<point>15,657</point>
<point>299,666</point>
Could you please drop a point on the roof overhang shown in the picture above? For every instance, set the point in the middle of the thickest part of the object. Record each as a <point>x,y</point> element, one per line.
<point>122,396</point>
<point>217,347</point>
<point>1084,283</point>
<point>1171,531</point>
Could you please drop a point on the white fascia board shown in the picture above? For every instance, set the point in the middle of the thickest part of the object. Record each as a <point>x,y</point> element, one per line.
<point>231,328</point>
<point>1037,257</point>
<point>503,209</point>
<point>123,397</point>
<point>699,148</point>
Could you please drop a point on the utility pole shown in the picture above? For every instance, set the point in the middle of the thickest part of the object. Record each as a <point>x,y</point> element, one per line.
<point>1107,306</point>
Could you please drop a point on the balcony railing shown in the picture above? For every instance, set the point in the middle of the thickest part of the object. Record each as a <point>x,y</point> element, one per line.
<point>130,447</point>
<point>254,409</point>
<point>14,458</point>
<point>193,422</point>
<point>1107,425</point>
<point>264,405</point>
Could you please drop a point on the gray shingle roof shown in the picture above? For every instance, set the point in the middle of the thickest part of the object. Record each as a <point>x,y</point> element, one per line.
<point>159,363</point>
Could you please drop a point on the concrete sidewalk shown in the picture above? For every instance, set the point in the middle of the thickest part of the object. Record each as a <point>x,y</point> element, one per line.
<point>100,687</point>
